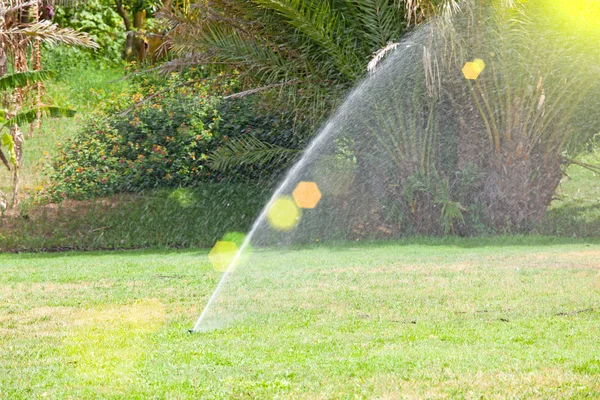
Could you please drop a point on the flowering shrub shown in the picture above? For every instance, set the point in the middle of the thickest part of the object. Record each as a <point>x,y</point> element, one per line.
<point>165,136</point>
<point>163,142</point>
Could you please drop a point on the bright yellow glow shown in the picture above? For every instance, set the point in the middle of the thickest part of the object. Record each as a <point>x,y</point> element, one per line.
<point>283,214</point>
<point>236,237</point>
<point>307,194</point>
<point>580,15</point>
<point>222,255</point>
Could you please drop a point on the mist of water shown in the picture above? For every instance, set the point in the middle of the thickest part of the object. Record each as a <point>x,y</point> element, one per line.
<point>461,130</point>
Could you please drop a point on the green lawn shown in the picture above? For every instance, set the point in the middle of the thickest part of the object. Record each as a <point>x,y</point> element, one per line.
<point>486,318</point>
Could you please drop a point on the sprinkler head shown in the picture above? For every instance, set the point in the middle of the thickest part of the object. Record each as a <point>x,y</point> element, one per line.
<point>191,331</point>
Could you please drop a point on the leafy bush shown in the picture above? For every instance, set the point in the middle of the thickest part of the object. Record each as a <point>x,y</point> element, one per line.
<point>161,143</point>
<point>166,135</point>
<point>100,21</point>
<point>262,140</point>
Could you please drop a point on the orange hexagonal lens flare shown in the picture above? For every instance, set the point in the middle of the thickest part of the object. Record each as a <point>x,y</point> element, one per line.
<point>283,214</point>
<point>307,194</point>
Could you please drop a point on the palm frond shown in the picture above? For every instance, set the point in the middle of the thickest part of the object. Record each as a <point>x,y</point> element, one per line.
<point>249,92</point>
<point>219,44</point>
<point>14,7</point>
<point>21,79</point>
<point>323,27</point>
<point>249,151</point>
<point>380,55</point>
<point>29,116</point>
<point>382,21</point>
<point>7,142</point>
<point>51,33</point>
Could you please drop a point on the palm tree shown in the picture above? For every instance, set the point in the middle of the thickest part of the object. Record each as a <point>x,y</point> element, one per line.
<point>508,133</point>
<point>15,39</point>
<point>307,52</point>
<point>529,112</point>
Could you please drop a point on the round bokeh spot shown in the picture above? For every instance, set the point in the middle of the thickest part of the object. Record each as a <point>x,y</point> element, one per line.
<point>283,214</point>
<point>222,255</point>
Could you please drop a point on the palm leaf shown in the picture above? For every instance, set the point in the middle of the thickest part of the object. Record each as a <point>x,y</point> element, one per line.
<point>21,79</point>
<point>383,21</point>
<point>324,28</point>
<point>8,143</point>
<point>29,116</point>
<point>249,151</point>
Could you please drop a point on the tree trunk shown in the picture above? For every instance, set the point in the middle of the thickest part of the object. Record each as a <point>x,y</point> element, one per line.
<point>36,57</point>
<point>20,65</point>
<point>520,186</point>
<point>3,60</point>
<point>128,51</point>
<point>17,136</point>
<point>140,43</point>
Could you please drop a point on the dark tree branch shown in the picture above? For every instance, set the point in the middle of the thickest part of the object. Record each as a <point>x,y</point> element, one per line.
<point>4,160</point>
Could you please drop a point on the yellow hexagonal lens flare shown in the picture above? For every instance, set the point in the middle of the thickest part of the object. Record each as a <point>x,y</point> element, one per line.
<point>222,255</point>
<point>472,69</point>
<point>283,214</point>
<point>307,194</point>
<point>478,65</point>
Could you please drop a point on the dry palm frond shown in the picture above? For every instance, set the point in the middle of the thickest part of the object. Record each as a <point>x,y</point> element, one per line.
<point>14,7</point>
<point>380,55</point>
<point>49,32</point>
<point>418,11</point>
<point>249,92</point>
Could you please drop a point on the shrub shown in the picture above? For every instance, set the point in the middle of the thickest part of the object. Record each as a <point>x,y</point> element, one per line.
<point>280,132</point>
<point>162,143</point>
<point>100,21</point>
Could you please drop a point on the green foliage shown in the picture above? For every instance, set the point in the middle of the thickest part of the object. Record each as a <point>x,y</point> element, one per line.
<point>7,142</point>
<point>160,146</point>
<point>29,116</point>
<point>100,21</point>
<point>161,142</point>
<point>429,205</point>
<point>249,150</point>
<point>261,141</point>
<point>314,49</point>
<point>22,79</point>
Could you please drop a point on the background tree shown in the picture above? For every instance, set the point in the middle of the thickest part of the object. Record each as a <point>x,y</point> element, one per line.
<point>302,54</point>
<point>136,43</point>
<point>16,38</point>
<point>488,148</point>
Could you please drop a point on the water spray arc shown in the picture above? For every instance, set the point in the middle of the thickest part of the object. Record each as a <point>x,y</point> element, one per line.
<point>292,174</point>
